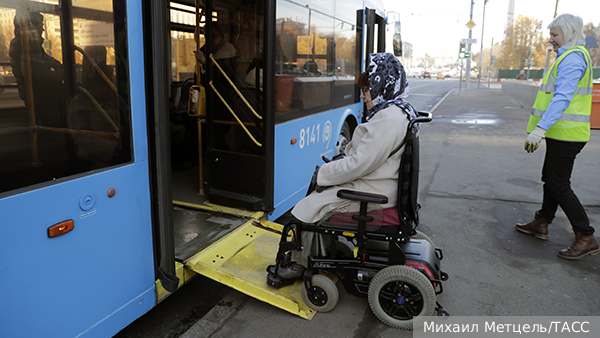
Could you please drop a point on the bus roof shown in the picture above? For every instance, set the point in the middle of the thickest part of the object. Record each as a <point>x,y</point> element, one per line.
<point>378,6</point>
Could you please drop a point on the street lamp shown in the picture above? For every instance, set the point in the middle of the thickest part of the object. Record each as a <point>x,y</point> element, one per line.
<point>481,44</point>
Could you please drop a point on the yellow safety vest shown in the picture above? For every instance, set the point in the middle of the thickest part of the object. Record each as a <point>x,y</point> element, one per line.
<point>574,124</point>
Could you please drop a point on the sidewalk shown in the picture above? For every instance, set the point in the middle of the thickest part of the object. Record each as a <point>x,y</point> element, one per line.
<point>476,183</point>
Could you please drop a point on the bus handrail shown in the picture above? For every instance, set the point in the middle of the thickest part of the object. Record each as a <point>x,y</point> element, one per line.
<point>99,107</point>
<point>234,115</point>
<point>234,87</point>
<point>104,77</point>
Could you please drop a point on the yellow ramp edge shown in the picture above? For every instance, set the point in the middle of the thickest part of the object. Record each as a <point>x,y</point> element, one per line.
<point>207,206</point>
<point>240,260</point>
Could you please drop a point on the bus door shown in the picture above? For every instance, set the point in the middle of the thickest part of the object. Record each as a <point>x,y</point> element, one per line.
<point>237,76</point>
<point>76,252</point>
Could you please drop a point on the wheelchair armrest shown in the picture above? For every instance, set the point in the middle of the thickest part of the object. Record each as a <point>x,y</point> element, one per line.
<point>424,117</point>
<point>362,196</point>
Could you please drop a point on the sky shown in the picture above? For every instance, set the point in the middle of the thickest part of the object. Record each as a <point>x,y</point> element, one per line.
<point>437,26</point>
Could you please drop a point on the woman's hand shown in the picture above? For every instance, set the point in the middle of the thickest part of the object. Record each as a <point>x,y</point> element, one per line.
<point>200,56</point>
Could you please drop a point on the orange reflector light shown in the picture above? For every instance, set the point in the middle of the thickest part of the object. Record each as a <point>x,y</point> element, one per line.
<point>60,228</point>
<point>294,140</point>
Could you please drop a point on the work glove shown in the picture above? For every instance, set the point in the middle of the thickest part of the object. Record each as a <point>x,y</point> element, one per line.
<point>534,139</point>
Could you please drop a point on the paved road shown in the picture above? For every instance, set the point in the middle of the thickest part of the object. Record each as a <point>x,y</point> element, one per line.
<point>476,183</point>
<point>425,93</point>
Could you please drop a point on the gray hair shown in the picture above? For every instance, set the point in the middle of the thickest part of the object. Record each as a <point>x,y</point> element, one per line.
<point>572,28</point>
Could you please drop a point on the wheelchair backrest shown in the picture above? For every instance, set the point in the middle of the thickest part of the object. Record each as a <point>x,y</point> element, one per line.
<point>408,180</point>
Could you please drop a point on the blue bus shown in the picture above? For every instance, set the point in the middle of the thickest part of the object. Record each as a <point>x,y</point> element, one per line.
<point>114,191</point>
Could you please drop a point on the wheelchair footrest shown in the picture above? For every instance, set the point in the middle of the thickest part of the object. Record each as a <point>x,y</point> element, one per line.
<point>276,281</point>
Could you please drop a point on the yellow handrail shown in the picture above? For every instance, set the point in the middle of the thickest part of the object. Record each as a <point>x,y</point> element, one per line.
<point>100,71</point>
<point>234,115</point>
<point>100,109</point>
<point>235,88</point>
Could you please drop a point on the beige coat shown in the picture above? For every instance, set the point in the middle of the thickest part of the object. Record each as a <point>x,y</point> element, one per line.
<point>367,167</point>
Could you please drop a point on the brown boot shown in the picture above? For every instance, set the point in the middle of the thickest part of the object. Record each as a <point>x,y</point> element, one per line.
<point>538,227</point>
<point>582,246</point>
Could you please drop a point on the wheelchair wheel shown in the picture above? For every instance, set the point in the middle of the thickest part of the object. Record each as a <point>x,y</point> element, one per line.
<point>324,296</point>
<point>421,235</point>
<point>398,294</point>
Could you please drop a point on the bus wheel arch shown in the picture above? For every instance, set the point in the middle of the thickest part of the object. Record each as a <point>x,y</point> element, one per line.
<point>345,134</point>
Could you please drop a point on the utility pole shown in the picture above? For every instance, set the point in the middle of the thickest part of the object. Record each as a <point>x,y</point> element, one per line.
<point>490,70</point>
<point>481,44</point>
<point>469,48</point>
<point>550,49</point>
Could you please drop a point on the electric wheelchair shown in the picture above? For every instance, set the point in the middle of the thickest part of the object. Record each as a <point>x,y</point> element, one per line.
<point>396,267</point>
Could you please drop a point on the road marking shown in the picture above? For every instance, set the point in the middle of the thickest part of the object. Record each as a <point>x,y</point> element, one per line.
<point>440,101</point>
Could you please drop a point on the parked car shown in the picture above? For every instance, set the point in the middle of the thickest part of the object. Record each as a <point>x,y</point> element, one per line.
<point>426,75</point>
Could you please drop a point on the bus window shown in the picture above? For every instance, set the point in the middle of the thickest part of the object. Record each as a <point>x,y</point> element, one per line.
<point>68,111</point>
<point>183,44</point>
<point>345,72</point>
<point>306,37</point>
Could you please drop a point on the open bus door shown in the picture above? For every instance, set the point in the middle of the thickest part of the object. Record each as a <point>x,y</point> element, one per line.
<point>230,245</point>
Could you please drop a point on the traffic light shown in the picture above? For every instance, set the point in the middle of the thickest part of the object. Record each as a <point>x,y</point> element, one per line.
<point>462,51</point>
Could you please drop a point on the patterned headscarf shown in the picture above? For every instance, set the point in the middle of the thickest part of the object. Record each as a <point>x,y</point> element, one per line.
<point>388,84</point>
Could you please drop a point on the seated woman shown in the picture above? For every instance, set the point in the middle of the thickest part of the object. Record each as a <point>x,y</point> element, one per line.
<point>372,158</point>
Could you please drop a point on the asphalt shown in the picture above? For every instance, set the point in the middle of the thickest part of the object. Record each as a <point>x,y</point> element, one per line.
<point>476,182</point>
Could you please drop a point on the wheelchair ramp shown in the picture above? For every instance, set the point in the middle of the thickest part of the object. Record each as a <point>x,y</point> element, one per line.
<point>240,259</point>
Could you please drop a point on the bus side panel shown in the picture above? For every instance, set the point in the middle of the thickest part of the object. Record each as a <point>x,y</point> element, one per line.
<point>68,283</point>
<point>316,136</point>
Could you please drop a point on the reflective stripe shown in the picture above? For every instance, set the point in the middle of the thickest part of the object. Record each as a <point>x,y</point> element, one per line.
<point>537,112</point>
<point>550,88</point>
<point>584,91</point>
<point>564,117</point>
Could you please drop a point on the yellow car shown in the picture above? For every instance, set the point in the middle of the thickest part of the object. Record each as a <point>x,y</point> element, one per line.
<point>441,76</point>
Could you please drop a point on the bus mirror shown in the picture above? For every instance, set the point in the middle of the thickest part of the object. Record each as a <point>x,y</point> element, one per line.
<point>197,101</point>
<point>397,45</point>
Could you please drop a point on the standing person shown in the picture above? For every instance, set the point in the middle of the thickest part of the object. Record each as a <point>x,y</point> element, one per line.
<point>372,159</point>
<point>223,51</point>
<point>561,114</point>
<point>40,84</point>
<point>46,72</point>
<point>521,75</point>
<point>226,56</point>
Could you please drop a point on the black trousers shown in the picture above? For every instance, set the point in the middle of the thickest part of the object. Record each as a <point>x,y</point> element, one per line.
<point>556,175</point>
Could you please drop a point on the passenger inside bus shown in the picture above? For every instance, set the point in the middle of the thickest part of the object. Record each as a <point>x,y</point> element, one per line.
<point>46,101</point>
<point>226,56</point>
<point>371,162</point>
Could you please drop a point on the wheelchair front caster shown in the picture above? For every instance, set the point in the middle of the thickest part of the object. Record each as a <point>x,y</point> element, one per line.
<point>321,294</point>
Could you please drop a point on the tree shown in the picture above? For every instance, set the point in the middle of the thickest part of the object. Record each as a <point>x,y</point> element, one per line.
<point>496,51</point>
<point>590,30</point>
<point>525,35</point>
